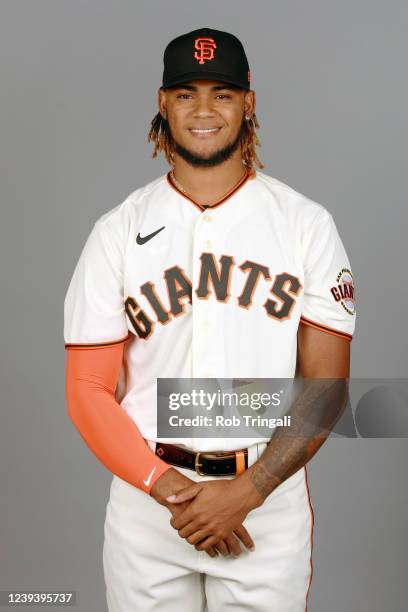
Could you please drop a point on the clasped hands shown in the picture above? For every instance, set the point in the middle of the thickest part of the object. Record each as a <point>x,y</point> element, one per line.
<point>209,514</point>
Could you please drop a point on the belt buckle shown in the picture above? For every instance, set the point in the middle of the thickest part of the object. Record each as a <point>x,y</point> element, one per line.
<point>197,464</point>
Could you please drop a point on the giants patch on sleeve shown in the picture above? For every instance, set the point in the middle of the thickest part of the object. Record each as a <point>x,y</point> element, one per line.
<point>343,291</point>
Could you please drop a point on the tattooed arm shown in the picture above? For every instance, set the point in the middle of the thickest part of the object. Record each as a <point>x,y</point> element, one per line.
<point>324,357</point>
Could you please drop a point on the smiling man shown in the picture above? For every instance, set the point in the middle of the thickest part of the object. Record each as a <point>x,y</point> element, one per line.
<point>213,270</point>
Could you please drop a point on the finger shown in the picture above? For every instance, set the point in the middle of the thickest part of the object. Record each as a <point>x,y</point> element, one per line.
<point>182,520</point>
<point>191,530</point>
<point>222,548</point>
<point>233,545</point>
<point>197,537</point>
<point>244,536</point>
<point>185,494</point>
<point>211,551</point>
<point>210,541</point>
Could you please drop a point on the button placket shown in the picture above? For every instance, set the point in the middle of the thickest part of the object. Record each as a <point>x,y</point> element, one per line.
<point>204,311</point>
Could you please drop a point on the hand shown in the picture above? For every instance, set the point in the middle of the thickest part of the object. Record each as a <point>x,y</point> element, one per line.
<point>217,509</point>
<point>172,481</point>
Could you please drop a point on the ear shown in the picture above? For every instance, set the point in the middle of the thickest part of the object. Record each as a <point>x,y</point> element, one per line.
<point>249,103</point>
<point>162,102</point>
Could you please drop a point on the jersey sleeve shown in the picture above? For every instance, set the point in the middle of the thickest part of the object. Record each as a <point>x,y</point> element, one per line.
<point>329,292</point>
<point>94,310</point>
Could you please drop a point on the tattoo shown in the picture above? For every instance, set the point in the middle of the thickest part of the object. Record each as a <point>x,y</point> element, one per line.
<point>314,414</point>
<point>261,479</point>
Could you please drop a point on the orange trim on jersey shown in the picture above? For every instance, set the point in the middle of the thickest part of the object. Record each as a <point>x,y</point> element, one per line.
<point>325,328</point>
<point>234,189</point>
<point>106,428</point>
<point>96,345</point>
<point>311,535</point>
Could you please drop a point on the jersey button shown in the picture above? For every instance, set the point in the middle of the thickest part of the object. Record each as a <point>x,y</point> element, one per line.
<point>207,218</point>
<point>208,244</point>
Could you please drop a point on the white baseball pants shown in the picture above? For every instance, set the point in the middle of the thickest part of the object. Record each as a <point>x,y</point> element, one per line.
<point>149,568</point>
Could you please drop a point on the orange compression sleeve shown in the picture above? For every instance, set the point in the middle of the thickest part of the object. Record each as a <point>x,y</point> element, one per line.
<point>111,434</point>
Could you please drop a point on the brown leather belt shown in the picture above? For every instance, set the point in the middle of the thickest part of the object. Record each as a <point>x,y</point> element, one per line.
<point>205,463</point>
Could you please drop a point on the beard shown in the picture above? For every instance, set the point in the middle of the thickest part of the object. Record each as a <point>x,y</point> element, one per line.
<point>214,159</point>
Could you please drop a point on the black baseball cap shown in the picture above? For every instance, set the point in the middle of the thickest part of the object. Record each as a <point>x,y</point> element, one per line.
<point>206,54</point>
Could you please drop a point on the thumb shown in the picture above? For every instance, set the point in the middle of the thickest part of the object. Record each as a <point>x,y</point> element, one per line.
<point>185,494</point>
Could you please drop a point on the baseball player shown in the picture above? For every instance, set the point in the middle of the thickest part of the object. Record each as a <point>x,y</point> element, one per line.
<point>213,270</point>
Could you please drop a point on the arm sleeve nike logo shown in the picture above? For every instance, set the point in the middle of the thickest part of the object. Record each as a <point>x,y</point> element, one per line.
<point>147,481</point>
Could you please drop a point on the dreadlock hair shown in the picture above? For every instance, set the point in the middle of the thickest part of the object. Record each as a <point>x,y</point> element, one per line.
<point>160,135</point>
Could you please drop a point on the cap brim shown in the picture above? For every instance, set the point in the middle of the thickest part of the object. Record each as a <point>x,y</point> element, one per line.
<point>201,76</point>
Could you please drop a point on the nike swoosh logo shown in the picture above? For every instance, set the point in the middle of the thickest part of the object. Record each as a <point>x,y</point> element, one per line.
<point>147,482</point>
<point>142,240</point>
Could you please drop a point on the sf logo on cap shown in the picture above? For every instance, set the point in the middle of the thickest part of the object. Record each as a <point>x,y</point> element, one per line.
<point>204,49</point>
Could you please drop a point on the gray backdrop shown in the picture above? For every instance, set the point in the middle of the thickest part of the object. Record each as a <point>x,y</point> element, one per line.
<point>78,90</point>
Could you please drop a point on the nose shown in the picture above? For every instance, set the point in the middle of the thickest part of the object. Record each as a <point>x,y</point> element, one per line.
<point>203,107</point>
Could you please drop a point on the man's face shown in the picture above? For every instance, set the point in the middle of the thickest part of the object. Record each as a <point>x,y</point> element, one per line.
<point>205,119</point>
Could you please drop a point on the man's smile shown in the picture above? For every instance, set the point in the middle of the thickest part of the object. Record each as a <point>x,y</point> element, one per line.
<point>204,132</point>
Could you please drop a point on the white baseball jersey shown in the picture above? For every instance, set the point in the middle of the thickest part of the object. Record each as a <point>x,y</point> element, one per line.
<point>208,292</point>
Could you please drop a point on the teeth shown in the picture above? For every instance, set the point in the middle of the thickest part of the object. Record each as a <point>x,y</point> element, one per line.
<point>207,131</point>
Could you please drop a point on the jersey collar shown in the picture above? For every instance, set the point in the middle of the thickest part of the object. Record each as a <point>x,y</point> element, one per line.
<point>248,175</point>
